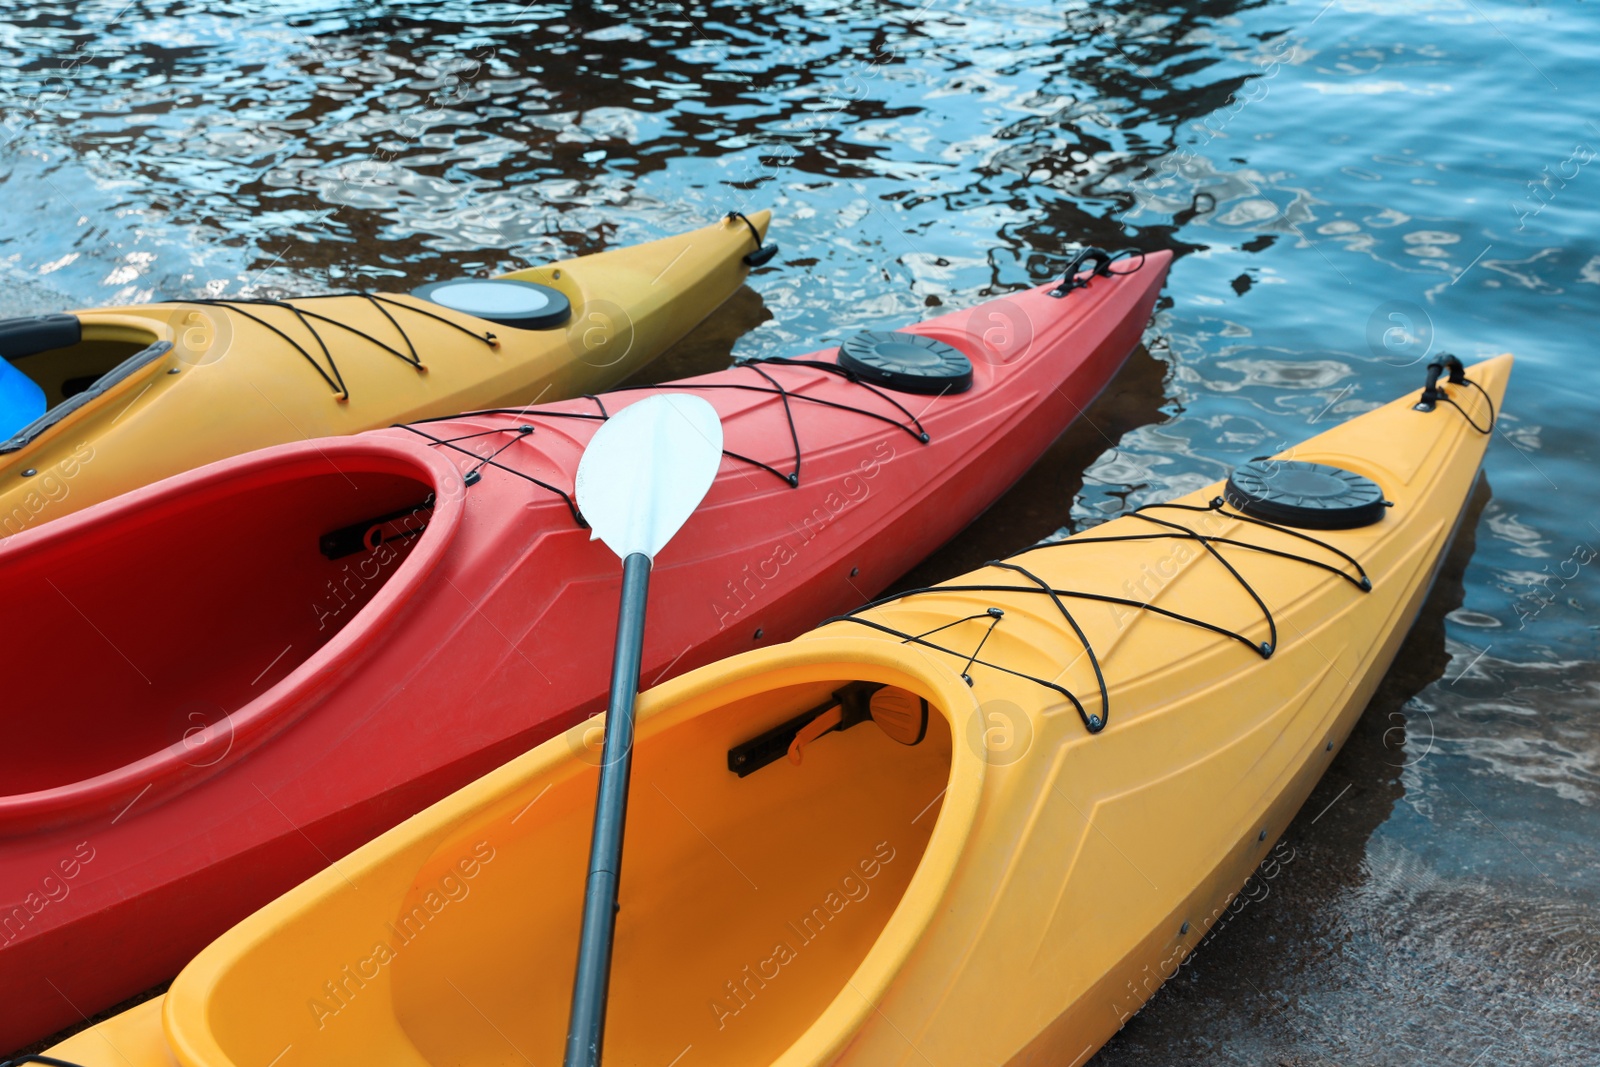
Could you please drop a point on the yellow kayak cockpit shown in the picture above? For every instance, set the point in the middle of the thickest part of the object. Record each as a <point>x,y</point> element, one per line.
<point>65,359</point>
<point>751,902</point>
<point>61,363</point>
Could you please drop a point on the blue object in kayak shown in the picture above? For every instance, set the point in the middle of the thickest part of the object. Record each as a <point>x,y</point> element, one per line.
<point>21,400</point>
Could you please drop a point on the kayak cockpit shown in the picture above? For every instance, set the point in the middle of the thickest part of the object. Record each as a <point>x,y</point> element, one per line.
<point>157,632</point>
<point>52,363</point>
<point>751,908</point>
<point>747,902</point>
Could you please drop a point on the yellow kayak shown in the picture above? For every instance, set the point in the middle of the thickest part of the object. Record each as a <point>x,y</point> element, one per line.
<point>1074,759</point>
<point>127,396</point>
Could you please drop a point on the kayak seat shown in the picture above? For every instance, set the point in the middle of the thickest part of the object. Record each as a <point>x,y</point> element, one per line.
<point>32,334</point>
<point>71,402</point>
<point>21,399</point>
<point>67,371</point>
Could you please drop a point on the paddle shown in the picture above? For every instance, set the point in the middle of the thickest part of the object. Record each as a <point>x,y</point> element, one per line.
<point>640,479</point>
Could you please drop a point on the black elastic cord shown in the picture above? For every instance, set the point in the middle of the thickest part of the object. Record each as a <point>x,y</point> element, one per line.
<point>985,614</point>
<point>1485,430</point>
<point>994,615</point>
<point>566,497</point>
<point>487,336</point>
<point>785,394</point>
<point>912,639</point>
<point>331,374</point>
<point>753,231</point>
<point>764,252</point>
<point>788,414</point>
<point>1127,253</point>
<point>774,387</point>
<point>1093,722</point>
<point>1271,644</point>
<point>1174,531</point>
<point>51,1061</point>
<point>335,381</point>
<point>519,431</point>
<point>1218,503</point>
<point>854,379</point>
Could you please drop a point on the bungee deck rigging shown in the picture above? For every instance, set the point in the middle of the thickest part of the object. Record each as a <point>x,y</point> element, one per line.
<point>331,374</point>
<point>912,426</point>
<point>156,389</point>
<point>1173,531</point>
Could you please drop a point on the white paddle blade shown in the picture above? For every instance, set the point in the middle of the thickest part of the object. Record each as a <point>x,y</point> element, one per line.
<point>647,469</point>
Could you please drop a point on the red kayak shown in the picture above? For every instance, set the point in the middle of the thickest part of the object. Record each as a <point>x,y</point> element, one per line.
<point>223,682</point>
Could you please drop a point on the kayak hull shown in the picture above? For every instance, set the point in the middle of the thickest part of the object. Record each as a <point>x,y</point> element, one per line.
<point>1030,869</point>
<point>181,384</point>
<point>483,637</point>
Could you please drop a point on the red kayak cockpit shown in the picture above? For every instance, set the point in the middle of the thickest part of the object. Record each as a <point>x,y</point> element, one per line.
<point>155,639</point>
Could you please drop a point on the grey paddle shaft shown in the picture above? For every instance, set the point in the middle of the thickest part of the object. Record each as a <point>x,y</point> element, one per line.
<point>642,475</point>
<point>588,1019</point>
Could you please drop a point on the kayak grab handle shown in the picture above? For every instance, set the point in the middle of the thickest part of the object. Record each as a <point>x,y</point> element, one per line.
<point>1102,261</point>
<point>764,252</point>
<point>1431,393</point>
<point>1069,281</point>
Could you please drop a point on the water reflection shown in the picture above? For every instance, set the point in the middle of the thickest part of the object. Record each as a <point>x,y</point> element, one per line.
<point>473,137</point>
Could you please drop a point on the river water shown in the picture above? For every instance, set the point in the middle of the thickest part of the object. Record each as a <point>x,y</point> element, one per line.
<point>1350,187</point>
